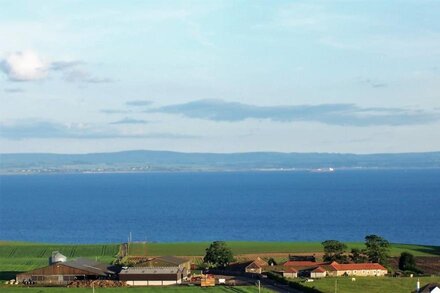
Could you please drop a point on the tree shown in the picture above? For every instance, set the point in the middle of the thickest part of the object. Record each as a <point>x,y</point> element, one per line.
<point>407,262</point>
<point>334,251</point>
<point>218,254</point>
<point>377,249</point>
<point>358,255</point>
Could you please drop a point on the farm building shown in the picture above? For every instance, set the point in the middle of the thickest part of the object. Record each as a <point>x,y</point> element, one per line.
<point>302,258</point>
<point>334,269</point>
<point>62,273</point>
<point>429,288</point>
<point>290,273</point>
<point>151,276</point>
<point>256,267</point>
<point>319,272</point>
<point>168,261</point>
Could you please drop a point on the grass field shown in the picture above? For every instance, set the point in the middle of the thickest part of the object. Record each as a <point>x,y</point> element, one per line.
<point>218,289</point>
<point>370,284</point>
<point>198,248</point>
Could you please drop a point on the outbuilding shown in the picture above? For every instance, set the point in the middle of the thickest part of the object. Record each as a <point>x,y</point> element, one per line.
<point>151,276</point>
<point>290,273</point>
<point>318,272</point>
<point>256,267</point>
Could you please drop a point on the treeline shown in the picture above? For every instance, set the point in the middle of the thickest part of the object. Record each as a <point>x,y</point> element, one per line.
<point>377,250</point>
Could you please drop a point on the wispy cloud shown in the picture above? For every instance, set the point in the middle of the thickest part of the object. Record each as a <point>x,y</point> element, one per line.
<point>114,111</point>
<point>332,114</point>
<point>14,90</point>
<point>64,65</point>
<point>130,121</point>
<point>30,66</point>
<point>80,75</point>
<point>373,83</point>
<point>138,103</point>
<point>26,129</point>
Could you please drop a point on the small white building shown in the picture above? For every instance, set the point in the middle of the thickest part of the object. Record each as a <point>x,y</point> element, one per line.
<point>319,272</point>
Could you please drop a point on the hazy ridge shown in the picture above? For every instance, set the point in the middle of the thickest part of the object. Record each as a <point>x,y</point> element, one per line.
<point>175,161</point>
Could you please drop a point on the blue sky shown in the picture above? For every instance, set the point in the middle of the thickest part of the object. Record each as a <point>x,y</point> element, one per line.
<point>220,76</point>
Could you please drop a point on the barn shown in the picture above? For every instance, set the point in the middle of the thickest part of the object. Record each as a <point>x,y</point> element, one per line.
<point>62,273</point>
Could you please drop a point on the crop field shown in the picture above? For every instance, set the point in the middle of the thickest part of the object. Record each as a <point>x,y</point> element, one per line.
<point>198,248</point>
<point>218,289</point>
<point>370,284</point>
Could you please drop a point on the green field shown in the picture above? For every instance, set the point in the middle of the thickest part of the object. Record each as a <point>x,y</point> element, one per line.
<point>218,289</point>
<point>370,284</point>
<point>198,248</point>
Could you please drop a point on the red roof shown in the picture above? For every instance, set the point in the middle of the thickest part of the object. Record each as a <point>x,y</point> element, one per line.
<point>301,264</point>
<point>356,266</point>
<point>319,270</point>
<point>290,270</point>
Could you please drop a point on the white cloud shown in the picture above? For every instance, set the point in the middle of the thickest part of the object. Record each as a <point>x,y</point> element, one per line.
<point>24,66</point>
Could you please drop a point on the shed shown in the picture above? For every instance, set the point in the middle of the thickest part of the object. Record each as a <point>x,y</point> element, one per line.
<point>62,273</point>
<point>290,273</point>
<point>151,276</point>
<point>430,288</point>
<point>319,272</point>
<point>168,261</point>
<point>256,267</point>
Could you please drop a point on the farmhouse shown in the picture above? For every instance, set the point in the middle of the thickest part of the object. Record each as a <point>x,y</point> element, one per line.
<point>256,267</point>
<point>151,276</point>
<point>64,272</point>
<point>355,269</point>
<point>333,269</point>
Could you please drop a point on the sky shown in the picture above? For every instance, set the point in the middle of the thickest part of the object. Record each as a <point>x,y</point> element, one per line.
<point>220,76</point>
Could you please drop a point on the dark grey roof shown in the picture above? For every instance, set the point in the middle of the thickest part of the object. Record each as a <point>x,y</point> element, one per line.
<point>171,259</point>
<point>88,265</point>
<point>150,270</point>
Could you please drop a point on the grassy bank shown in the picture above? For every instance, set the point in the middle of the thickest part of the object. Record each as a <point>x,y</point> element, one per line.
<point>370,284</point>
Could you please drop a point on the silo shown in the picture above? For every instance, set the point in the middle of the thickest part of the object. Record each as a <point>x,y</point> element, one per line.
<point>57,257</point>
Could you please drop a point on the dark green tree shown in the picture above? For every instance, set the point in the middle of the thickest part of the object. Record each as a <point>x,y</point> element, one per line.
<point>358,255</point>
<point>377,249</point>
<point>407,262</point>
<point>334,251</point>
<point>218,254</point>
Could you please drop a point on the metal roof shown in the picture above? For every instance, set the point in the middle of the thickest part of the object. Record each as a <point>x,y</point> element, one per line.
<point>150,270</point>
<point>88,265</point>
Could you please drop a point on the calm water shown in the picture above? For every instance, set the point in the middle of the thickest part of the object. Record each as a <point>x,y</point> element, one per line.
<point>402,206</point>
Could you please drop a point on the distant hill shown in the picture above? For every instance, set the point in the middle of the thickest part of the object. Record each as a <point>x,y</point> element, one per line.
<point>175,161</point>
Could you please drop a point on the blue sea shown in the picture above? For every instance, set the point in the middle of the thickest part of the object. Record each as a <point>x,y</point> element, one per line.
<point>400,205</point>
